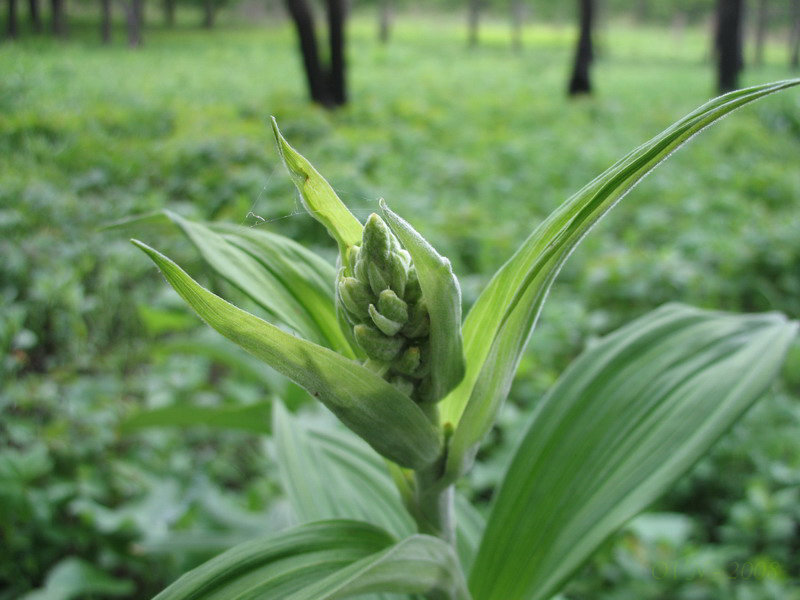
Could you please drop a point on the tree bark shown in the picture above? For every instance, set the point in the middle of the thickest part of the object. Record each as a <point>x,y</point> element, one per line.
<point>315,77</point>
<point>384,21</point>
<point>729,44</point>
<point>517,21</point>
<point>105,21</point>
<point>336,37</point>
<point>794,38</point>
<point>12,27</point>
<point>762,14</point>
<point>134,15</point>
<point>473,22</point>
<point>209,13</point>
<point>34,10</point>
<point>580,82</point>
<point>59,17</point>
<point>169,13</point>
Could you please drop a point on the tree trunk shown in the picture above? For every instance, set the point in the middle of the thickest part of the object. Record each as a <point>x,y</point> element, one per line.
<point>105,21</point>
<point>315,76</point>
<point>209,13</point>
<point>473,22</point>
<point>762,14</point>
<point>35,13</point>
<point>517,21</point>
<point>12,28</point>
<point>580,82</point>
<point>58,10</point>
<point>794,39</point>
<point>384,21</point>
<point>729,44</point>
<point>134,15</point>
<point>337,13</point>
<point>169,13</point>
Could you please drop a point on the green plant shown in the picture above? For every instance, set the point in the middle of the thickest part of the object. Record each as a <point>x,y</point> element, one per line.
<point>397,366</point>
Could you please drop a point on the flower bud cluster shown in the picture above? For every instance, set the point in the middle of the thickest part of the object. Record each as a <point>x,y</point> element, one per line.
<point>381,298</point>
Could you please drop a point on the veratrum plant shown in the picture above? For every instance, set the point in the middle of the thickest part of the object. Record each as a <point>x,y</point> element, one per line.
<point>380,341</point>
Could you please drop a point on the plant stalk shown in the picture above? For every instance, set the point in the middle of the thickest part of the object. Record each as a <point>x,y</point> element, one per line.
<point>433,503</point>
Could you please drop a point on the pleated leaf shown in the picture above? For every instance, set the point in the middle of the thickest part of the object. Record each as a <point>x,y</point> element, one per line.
<point>629,417</point>
<point>329,473</point>
<point>374,409</point>
<point>281,276</point>
<point>420,564</point>
<point>279,565</point>
<point>318,197</point>
<point>500,323</point>
<point>443,297</point>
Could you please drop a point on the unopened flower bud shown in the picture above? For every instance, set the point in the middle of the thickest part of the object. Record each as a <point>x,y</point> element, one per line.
<point>413,292</point>
<point>418,323</point>
<point>377,240</point>
<point>392,307</point>
<point>355,296</point>
<point>408,362</point>
<point>386,325</point>
<point>376,345</point>
<point>403,384</point>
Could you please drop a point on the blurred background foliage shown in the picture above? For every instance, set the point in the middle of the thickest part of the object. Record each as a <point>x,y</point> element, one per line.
<point>474,146</point>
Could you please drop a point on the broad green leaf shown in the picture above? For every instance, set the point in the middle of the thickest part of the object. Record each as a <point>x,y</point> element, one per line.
<point>418,564</point>
<point>327,475</point>
<point>630,416</point>
<point>500,323</point>
<point>330,473</point>
<point>278,565</point>
<point>318,197</point>
<point>374,409</point>
<point>443,297</point>
<point>254,418</point>
<point>281,276</point>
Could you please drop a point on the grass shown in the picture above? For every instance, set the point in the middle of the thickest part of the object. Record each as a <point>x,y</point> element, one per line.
<point>473,146</point>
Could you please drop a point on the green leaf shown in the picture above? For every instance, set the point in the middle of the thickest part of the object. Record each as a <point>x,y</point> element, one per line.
<point>281,276</point>
<point>330,473</point>
<point>630,416</point>
<point>276,566</point>
<point>418,564</point>
<point>254,418</point>
<point>318,197</point>
<point>443,297</point>
<point>500,323</point>
<point>384,417</point>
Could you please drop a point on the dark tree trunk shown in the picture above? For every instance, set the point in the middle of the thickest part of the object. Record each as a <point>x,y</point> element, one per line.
<point>304,23</point>
<point>58,10</point>
<point>35,12</point>
<point>729,44</point>
<point>337,13</point>
<point>134,17</point>
<point>169,13</point>
<point>517,21</point>
<point>105,21</point>
<point>794,39</point>
<point>762,15</point>
<point>580,82</point>
<point>473,22</point>
<point>384,21</point>
<point>209,13</point>
<point>12,27</point>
